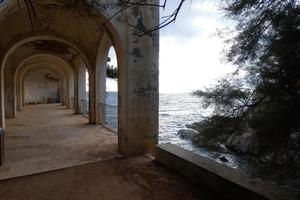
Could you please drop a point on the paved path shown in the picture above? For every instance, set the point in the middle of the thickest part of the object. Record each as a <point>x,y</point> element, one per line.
<point>137,178</point>
<point>48,136</point>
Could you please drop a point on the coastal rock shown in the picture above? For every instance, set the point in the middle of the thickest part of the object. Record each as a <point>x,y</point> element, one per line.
<point>223,159</point>
<point>198,140</point>
<point>188,133</point>
<point>195,126</point>
<point>295,137</point>
<point>213,144</point>
<point>220,157</point>
<point>246,143</point>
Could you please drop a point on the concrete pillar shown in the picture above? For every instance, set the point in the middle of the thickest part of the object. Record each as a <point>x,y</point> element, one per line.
<point>76,103</point>
<point>61,91</point>
<point>92,97</point>
<point>101,66</point>
<point>9,91</point>
<point>23,92</point>
<point>67,93</point>
<point>71,91</point>
<point>138,86</point>
<point>18,93</point>
<point>15,98</point>
<point>64,92</point>
<point>81,89</point>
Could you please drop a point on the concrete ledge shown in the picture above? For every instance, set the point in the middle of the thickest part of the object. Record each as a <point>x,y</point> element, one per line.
<point>223,181</point>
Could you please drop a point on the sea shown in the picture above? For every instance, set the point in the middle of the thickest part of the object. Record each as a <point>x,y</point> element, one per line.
<point>175,112</point>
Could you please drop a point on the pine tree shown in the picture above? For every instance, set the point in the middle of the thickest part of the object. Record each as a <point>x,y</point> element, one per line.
<point>266,99</point>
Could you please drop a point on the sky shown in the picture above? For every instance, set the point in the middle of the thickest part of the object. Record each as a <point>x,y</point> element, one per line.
<point>191,53</point>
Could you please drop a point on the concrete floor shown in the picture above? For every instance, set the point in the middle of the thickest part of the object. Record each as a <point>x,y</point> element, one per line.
<point>136,178</point>
<point>48,137</point>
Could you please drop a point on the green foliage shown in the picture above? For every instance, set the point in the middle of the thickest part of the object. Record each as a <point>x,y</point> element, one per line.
<point>219,127</point>
<point>111,72</point>
<point>267,98</point>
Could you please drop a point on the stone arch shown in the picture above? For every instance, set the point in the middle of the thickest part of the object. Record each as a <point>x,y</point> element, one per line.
<point>108,39</point>
<point>66,67</point>
<point>20,81</point>
<point>25,40</point>
<point>37,59</point>
<point>38,68</point>
<point>109,36</point>
<point>137,59</point>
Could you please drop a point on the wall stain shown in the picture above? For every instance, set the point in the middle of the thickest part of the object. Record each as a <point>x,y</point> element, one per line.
<point>146,91</point>
<point>136,53</point>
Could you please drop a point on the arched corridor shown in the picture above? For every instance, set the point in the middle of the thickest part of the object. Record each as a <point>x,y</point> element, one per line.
<point>57,51</point>
<point>45,137</point>
<point>71,41</point>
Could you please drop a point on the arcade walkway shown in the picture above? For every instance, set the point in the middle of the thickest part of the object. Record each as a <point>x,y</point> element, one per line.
<point>48,136</point>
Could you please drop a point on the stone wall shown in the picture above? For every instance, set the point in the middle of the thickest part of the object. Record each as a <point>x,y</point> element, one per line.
<point>41,86</point>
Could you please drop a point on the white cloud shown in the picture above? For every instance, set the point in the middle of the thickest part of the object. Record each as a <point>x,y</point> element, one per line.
<point>185,67</point>
<point>190,62</point>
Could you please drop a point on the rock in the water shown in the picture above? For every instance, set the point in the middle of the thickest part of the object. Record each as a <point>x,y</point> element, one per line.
<point>217,155</point>
<point>223,159</point>
<point>187,133</point>
<point>213,144</point>
<point>198,140</point>
<point>245,143</point>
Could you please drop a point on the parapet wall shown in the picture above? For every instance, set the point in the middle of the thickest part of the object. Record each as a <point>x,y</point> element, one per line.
<point>225,182</point>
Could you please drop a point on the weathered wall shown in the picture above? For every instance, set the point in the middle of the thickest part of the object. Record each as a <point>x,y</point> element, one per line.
<point>41,86</point>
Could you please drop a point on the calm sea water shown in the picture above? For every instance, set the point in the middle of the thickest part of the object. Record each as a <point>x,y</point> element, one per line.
<point>175,112</point>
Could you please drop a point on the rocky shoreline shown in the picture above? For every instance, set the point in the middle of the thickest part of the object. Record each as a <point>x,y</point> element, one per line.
<point>246,146</point>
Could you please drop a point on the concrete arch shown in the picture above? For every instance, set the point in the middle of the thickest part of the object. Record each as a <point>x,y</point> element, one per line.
<point>20,81</point>
<point>26,38</point>
<point>43,55</point>
<point>61,84</point>
<point>109,39</point>
<point>14,46</point>
<point>137,61</point>
<point>47,59</point>
<point>109,36</point>
<point>42,58</point>
<point>90,61</point>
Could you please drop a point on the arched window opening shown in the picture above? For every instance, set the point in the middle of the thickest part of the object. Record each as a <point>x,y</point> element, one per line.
<point>111,100</point>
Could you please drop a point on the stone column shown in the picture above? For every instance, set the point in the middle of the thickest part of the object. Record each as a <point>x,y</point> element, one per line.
<point>138,85</point>
<point>18,92</point>
<point>71,91</point>
<point>101,66</point>
<point>61,91</point>
<point>76,105</point>
<point>9,91</point>
<point>81,89</point>
<point>92,97</point>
